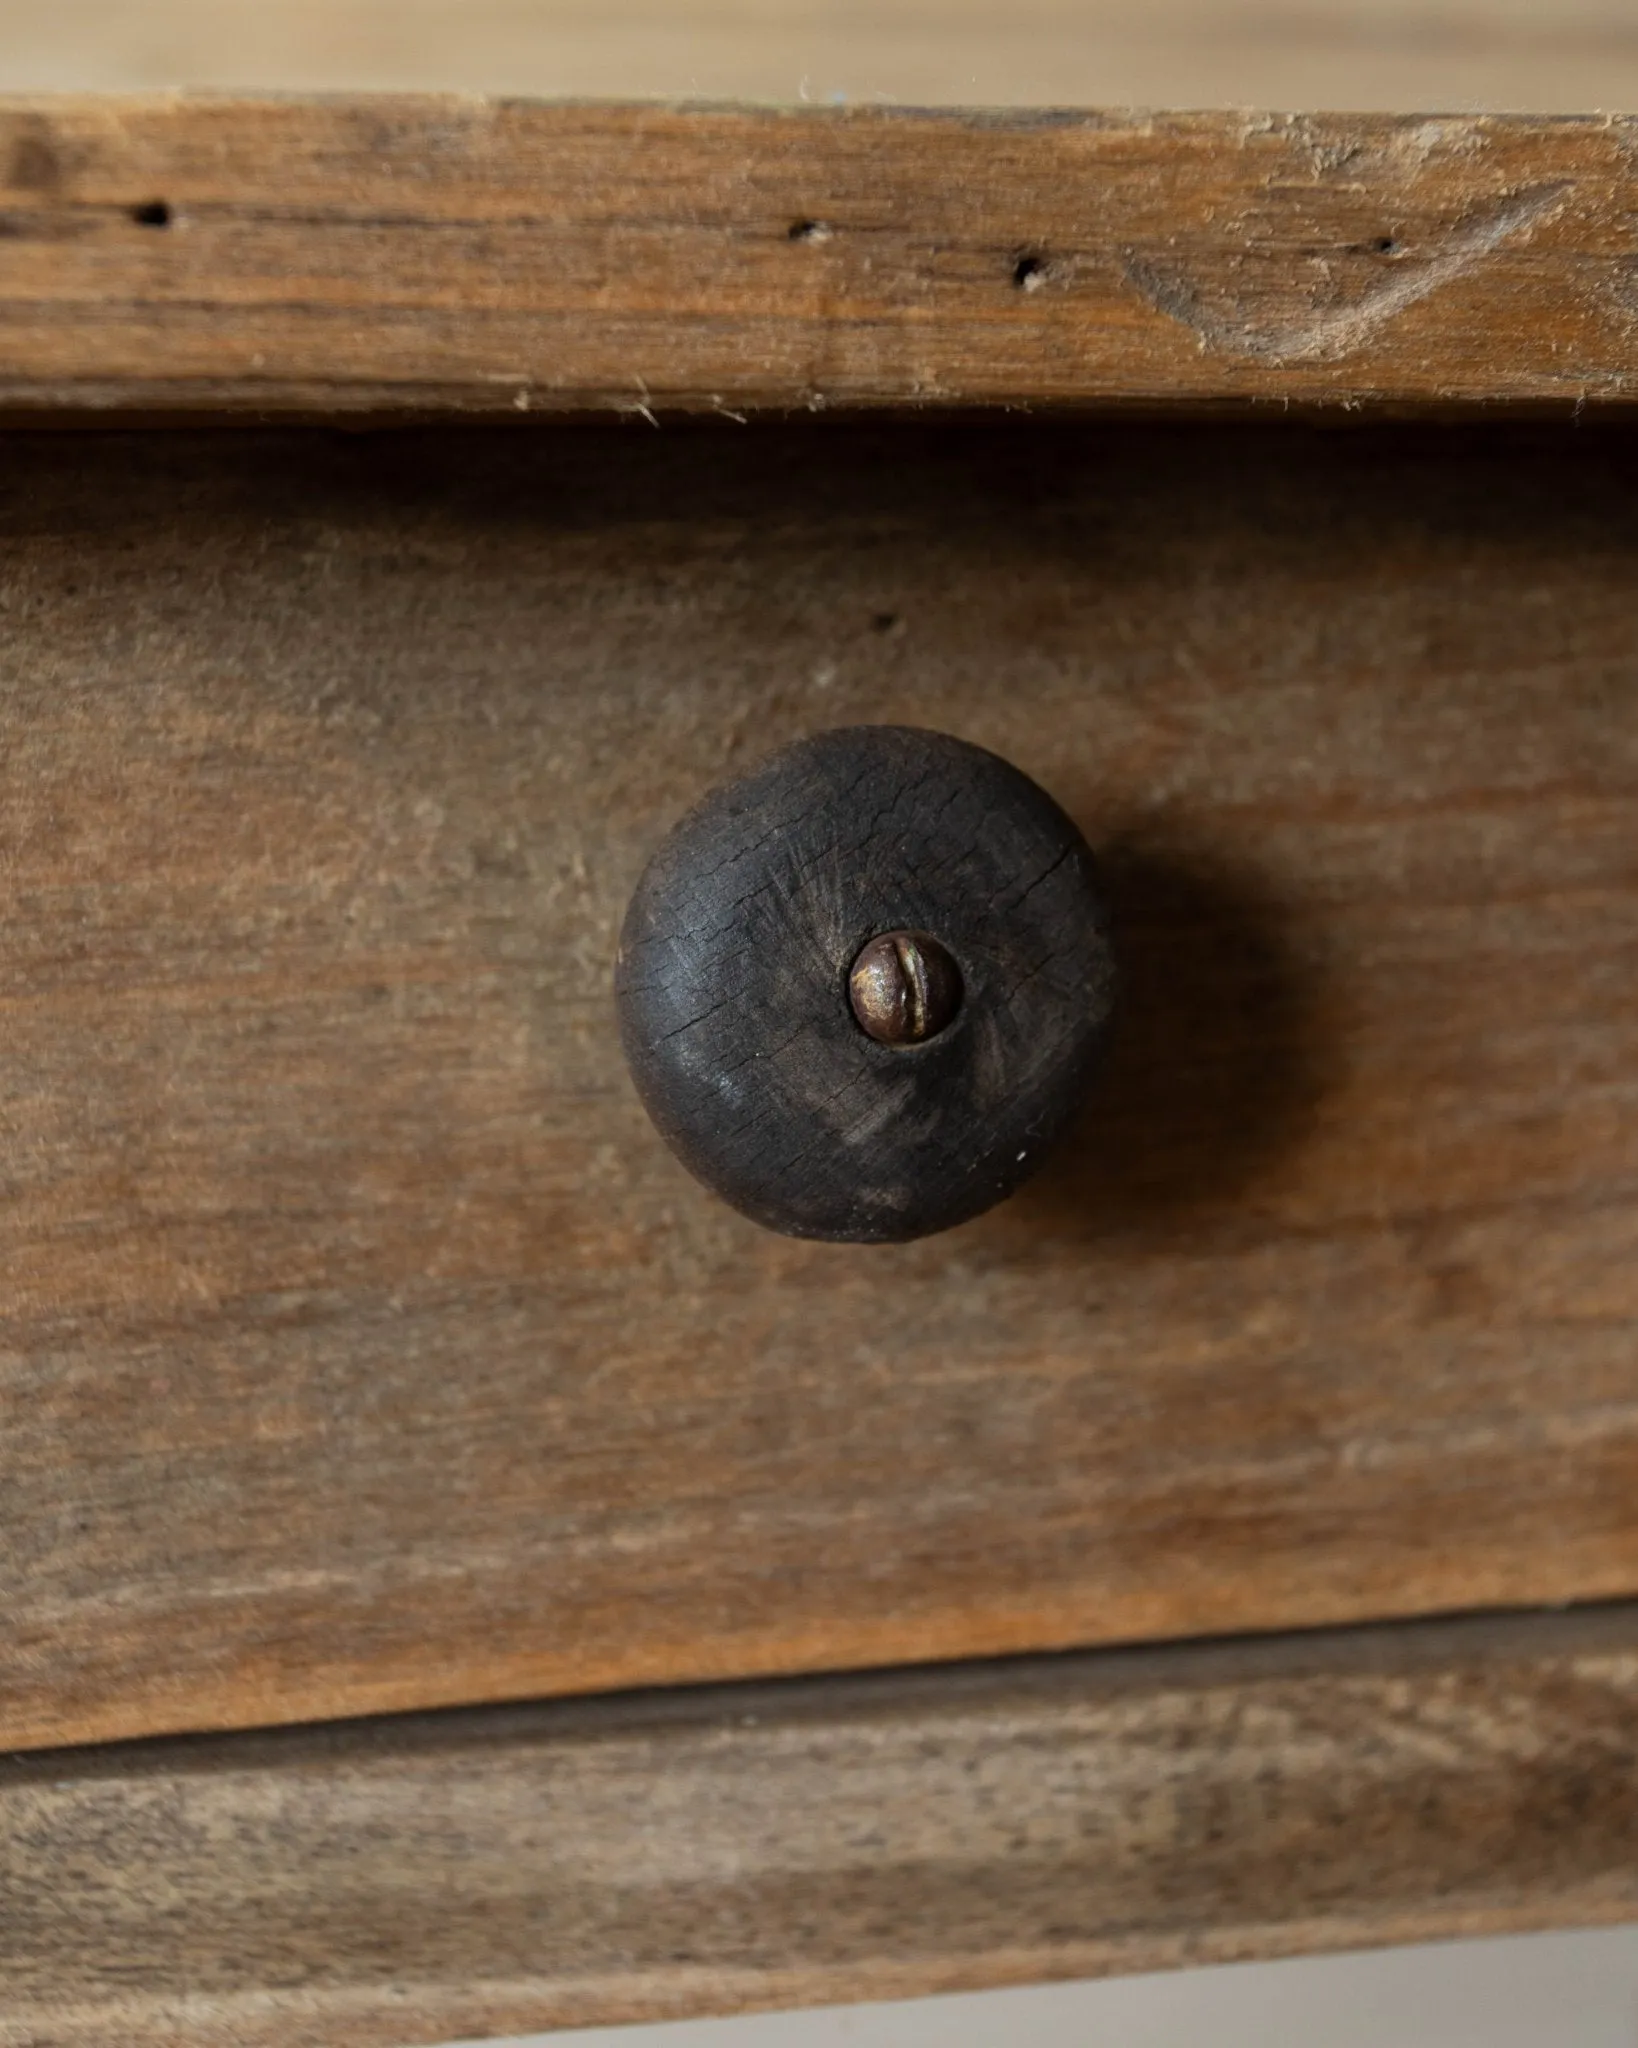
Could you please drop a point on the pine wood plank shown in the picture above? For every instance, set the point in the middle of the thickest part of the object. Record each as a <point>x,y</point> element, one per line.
<point>460,255</point>
<point>361,1348</point>
<point>505,1870</point>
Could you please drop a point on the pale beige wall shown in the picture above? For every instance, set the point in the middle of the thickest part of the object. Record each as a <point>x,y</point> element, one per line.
<point>1407,54</point>
<point>1533,1991</point>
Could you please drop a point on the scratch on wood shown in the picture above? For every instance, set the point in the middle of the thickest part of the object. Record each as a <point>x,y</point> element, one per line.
<point>1330,333</point>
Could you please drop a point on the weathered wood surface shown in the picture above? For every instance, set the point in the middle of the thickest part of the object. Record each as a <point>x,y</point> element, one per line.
<point>502,1870</point>
<point>362,1347</point>
<point>460,255</point>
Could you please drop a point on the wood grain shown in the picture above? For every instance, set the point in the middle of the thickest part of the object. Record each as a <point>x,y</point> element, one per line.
<point>457,255</point>
<point>362,1348</point>
<point>503,1870</point>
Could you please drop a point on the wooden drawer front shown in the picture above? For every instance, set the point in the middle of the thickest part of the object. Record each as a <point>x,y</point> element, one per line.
<point>363,1348</point>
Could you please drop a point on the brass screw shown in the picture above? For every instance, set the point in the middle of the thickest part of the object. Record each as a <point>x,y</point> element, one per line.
<point>904,988</point>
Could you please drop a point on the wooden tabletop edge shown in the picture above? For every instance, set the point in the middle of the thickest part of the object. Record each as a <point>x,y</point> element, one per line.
<point>572,1863</point>
<point>290,256</point>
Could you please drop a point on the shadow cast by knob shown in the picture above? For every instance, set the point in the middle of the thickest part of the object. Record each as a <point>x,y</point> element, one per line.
<point>1216,1065</point>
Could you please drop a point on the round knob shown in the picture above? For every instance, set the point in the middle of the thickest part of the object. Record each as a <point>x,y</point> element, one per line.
<point>861,990</point>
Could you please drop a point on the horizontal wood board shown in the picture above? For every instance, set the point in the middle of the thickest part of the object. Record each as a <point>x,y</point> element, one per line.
<point>508,1869</point>
<point>361,1348</point>
<point>465,255</point>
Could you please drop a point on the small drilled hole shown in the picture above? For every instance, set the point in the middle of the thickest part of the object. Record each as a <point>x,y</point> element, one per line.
<point>884,622</point>
<point>152,213</point>
<point>807,231</point>
<point>1385,245</point>
<point>1029,273</point>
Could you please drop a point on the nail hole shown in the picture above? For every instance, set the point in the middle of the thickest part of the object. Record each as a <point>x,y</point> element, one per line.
<point>1385,245</point>
<point>807,231</point>
<point>1029,273</point>
<point>883,622</point>
<point>152,213</point>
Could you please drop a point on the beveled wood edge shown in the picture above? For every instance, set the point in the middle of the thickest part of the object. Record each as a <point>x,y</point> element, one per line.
<point>416,256</point>
<point>508,1869</point>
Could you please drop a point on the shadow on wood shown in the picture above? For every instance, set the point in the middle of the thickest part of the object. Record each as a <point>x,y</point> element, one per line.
<point>1216,1065</point>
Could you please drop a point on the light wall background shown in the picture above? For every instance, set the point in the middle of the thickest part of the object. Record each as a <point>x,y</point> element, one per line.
<point>1414,55</point>
<point>1543,1991</point>
<point>1577,1990</point>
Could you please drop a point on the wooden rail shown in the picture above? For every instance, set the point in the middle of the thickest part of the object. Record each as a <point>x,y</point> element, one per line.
<point>455,255</point>
<point>507,1869</point>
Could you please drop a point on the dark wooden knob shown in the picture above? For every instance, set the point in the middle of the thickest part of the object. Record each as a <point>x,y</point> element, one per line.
<point>862,989</point>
